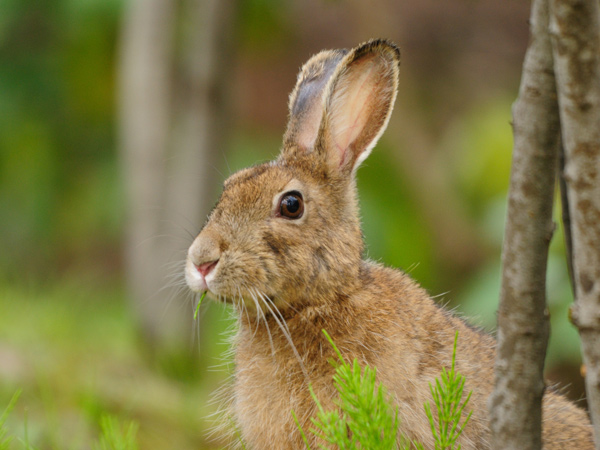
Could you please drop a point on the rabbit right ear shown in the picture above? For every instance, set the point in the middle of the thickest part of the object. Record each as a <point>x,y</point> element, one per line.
<point>358,102</point>
<point>306,100</point>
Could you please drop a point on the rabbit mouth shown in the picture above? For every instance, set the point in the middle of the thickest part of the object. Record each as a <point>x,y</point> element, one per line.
<point>248,300</point>
<point>195,279</point>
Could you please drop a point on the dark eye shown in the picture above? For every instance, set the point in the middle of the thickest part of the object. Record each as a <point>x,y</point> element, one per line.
<point>291,205</point>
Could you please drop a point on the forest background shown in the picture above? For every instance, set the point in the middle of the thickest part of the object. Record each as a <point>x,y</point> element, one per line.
<point>433,195</point>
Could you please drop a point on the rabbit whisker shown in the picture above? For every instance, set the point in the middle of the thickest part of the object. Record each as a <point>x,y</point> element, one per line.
<point>253,294</point>
<point>239,300</point>
<point>260,314</point>
<point>246,308</point>
<point>284,328</point>
<point>174,293</point>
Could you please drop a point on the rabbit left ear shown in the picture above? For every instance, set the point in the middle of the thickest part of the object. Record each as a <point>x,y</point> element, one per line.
<point>306,100</point>
<point>358,102</point>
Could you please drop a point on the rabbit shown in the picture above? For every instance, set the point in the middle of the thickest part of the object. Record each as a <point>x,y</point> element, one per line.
<point>284,246</point>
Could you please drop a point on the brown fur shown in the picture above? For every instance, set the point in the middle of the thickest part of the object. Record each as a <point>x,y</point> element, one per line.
<point>291,278</point>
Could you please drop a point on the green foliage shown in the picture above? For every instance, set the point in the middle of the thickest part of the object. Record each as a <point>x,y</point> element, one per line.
<point>365,418</point>
<point>393,224</point>
<point>447,395</point>
<point>480,145</point>
<point>115,437</point>
<point>265,25</point>
<point>58,177</point>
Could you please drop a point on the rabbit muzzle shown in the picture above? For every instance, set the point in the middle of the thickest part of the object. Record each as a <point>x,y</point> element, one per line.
<point>202,262</point>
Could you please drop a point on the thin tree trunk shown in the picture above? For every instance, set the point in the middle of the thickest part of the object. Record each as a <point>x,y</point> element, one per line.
<point>172,111</point>
<point>202,114</point>
<point>576,45</point>
<point>145,117</point>
<point>523,323</point>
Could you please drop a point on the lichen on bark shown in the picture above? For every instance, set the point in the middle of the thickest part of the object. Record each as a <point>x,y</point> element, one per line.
<point>523,323</point>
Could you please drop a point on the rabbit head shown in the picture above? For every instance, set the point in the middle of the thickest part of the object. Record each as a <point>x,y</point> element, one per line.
<point>288,231</point>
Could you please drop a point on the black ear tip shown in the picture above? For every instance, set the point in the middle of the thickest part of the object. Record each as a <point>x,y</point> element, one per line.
<point>383,46</point>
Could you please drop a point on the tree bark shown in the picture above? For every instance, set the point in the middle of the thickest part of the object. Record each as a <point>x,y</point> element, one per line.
<point>523,322</point>
<point>576,44</point>
<point>566,219</point>
<point>202,114</point>
<point>172,111</point>
<point>145,116</point>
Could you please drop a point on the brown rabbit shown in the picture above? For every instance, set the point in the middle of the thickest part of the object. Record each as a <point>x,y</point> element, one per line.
<point>284,246</point>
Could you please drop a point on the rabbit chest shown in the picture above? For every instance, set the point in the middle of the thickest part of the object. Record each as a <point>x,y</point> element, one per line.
<point>272,378</point>
<point>270,383</point>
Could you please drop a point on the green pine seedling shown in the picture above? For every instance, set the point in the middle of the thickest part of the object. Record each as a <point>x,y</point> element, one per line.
<point>365,418</point>
<point>114,437</point>
<point>447,395</point>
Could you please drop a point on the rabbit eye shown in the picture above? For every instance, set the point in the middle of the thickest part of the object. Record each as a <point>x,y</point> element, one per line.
<point>291,205</point>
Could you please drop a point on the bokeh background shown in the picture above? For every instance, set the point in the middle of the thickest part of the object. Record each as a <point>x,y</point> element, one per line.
<point>119,119</point>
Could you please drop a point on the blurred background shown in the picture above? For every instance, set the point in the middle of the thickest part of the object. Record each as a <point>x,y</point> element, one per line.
<point>119,120</point>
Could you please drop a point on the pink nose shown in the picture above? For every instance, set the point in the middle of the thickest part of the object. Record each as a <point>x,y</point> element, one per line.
<point>206,268</point>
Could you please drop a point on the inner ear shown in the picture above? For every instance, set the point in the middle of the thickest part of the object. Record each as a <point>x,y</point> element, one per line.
<point>358,104</point>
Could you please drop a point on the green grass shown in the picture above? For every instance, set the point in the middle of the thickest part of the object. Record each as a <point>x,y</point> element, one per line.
<point>115,436</point>
<point>198,305</point>
<point>5,437</point>
<point>72,350</point>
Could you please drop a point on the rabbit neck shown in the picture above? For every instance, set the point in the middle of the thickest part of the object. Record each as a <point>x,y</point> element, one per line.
<point>287,332</point>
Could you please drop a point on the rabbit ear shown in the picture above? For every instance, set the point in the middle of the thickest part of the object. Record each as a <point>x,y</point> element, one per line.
<point>358,102</point>
<point>306,100</point>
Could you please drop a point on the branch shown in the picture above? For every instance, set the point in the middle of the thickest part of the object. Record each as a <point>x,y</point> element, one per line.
<point>523,324</point>
<point>576,46</point>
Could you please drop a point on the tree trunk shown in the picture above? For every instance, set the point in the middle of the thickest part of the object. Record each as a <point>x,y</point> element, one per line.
<point>523,323</point>
<point>202,114</point>
<point>576,45</point>
<point>171,115</point>
<point>145,115</point>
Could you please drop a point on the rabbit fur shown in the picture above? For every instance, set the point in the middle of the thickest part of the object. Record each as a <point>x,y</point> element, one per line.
<point>290,277</point>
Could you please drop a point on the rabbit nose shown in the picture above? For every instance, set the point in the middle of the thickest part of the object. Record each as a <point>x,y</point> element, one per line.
<point>206,268</point>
